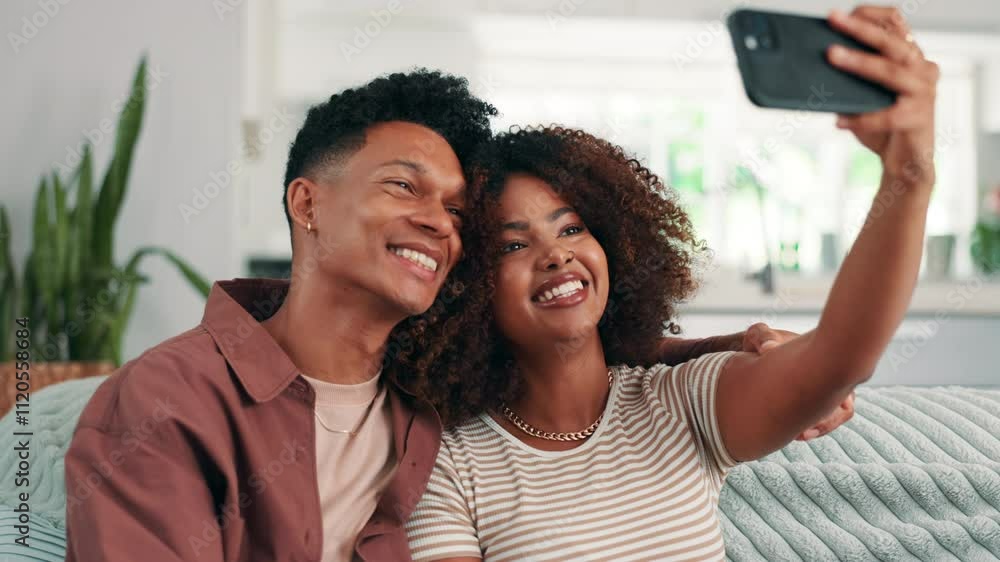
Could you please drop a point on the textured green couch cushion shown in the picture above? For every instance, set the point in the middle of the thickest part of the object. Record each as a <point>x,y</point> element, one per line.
<point>53,413</point>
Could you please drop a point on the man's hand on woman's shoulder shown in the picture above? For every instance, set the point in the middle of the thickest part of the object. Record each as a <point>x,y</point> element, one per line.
<point>761,338</point>
<point>758,338</point>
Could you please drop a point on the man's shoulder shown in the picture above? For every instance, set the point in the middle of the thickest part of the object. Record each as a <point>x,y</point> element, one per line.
<point>174,377</point>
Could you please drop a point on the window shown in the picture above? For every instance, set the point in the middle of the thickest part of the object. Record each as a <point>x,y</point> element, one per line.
<point>752,180</point>
<point>757,183</point>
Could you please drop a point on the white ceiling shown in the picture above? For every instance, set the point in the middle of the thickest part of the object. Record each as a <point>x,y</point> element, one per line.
<point>953,15</point>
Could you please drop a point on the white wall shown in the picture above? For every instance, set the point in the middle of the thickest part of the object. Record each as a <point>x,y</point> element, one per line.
<point>65,80</point>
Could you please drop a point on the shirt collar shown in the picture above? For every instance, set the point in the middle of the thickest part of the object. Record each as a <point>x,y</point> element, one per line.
<point>232,317</point>
<point>338,394</point>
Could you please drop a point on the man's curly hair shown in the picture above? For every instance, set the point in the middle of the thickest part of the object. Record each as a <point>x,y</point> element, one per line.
<point>455,357</point>
<point>335,129</point>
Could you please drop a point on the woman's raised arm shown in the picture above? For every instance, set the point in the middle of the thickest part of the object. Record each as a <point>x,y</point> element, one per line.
<point>764,401</point>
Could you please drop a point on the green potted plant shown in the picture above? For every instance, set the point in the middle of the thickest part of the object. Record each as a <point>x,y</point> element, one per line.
<point>77,299</point>
<point>986,235</point>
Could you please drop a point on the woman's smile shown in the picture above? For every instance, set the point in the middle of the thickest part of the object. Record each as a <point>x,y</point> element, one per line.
<point>565,290</point>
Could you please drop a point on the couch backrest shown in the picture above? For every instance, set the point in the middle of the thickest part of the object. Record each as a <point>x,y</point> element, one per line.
<point>53,413</point>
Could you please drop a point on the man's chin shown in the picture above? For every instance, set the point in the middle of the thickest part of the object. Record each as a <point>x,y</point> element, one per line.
<point>413,305</point>
<point>417,309</point>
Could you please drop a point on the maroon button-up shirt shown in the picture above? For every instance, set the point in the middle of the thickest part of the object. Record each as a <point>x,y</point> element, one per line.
<point>203,448</point>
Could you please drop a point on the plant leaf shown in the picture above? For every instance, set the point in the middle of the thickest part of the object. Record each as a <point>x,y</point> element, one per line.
<point>113,188</point>
<point>6,306</point>
<point>28,288</point>
<point>79,284</point>
<point>197,282</point>
<point>43,257</point>
<point>60,233</point>
<point>7,272</point>
<point>8,286</point>
<point>132,280</point>
<point>82,223</point>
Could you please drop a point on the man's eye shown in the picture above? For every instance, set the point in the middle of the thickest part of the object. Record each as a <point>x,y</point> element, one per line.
<point>513,246</point>
<point>403,184</point>
<point>571,230</point>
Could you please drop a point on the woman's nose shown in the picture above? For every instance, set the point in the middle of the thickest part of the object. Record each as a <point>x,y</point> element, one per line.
<point>556,257</point>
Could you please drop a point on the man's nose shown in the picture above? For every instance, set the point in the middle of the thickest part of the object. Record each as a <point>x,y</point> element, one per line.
<point>436,220</point>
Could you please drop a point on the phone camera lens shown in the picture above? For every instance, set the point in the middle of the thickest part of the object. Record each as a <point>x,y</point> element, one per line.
<point>766,42</point>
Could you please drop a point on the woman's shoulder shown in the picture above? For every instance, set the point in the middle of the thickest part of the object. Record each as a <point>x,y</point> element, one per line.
<point>709,363</point>
<point>633,380</point>
<point>636,371</point>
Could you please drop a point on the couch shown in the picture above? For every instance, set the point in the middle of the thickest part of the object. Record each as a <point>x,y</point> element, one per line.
<point>915,475</point>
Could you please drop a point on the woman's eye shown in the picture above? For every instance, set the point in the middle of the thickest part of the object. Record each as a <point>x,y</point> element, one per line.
<point>513,246</point>
<point>457,212</point>
<point>571,230</point>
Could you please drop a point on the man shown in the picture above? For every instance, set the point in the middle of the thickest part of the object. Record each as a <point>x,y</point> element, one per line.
<point>266,433</point>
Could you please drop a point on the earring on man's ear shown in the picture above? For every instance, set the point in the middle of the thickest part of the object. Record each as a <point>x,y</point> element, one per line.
<point>309,227</point>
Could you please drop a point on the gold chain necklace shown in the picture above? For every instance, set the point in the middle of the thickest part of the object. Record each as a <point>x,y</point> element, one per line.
<point>357,427</point>
<point>553,436</point>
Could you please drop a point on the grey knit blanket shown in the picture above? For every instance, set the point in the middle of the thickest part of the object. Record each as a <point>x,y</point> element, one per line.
<point>915,475</point>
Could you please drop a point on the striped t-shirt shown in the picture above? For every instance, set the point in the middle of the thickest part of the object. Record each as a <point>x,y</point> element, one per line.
<point>644,486</point>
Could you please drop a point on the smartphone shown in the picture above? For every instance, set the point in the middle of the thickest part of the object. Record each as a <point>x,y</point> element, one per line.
<point>782,60</point>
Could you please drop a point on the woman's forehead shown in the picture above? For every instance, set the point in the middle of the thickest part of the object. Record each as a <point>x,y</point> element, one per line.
<point>528,197</point>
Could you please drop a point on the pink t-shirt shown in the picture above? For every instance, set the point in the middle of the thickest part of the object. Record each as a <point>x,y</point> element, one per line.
<point>352,470</point>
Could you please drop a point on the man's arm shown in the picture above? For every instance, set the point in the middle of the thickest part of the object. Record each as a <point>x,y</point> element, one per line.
<point>674,351</point>
<point>137,497</point>
<point>759,338</point>
<point>138,477</point>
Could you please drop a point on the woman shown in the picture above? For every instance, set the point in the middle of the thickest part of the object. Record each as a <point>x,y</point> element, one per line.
<point>556,449</point>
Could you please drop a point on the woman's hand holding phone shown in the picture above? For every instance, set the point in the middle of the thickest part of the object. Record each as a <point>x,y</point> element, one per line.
<point>902,134</point>
<point>805,379</point>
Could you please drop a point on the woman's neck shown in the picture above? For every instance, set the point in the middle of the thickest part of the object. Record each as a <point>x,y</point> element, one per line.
<point>565,385</point>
